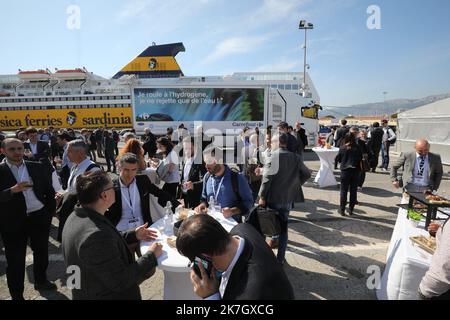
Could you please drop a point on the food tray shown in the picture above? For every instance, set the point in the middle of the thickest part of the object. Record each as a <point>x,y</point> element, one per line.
<point>427,244</point>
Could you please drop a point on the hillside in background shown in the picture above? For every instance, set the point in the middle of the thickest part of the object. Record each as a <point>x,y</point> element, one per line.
<point>380,108</point>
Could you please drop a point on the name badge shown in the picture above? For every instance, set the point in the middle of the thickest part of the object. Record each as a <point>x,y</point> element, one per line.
<point>133,223</point>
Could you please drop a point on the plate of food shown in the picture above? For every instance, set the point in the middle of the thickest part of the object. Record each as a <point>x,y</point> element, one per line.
<point>172,242</point>
<point>435,199</point>
<point>426,243</point>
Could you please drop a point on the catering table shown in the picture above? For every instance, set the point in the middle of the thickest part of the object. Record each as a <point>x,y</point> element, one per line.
<point>325,176</point>
<point>432,208</point>
<point>406,264</point>
<point>177,283</point>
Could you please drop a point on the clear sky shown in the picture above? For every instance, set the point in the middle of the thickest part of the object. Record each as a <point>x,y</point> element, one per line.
<point>409,57</point>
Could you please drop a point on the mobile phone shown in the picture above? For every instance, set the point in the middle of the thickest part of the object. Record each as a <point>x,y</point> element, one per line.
<point>207,265</point>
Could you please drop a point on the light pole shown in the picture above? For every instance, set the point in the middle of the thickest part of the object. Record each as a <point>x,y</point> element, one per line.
<point>303,25</point>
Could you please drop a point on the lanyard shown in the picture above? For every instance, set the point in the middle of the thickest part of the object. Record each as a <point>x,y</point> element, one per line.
<point>21,176</point>
<point>216,194</point>
<point>131,195</point>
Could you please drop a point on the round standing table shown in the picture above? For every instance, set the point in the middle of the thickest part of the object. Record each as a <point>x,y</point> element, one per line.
<point>325,176</point>
<point>177,283</point>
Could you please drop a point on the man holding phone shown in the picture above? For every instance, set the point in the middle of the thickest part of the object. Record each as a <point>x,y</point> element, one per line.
<point>27,204</point>
<point>231,266</point>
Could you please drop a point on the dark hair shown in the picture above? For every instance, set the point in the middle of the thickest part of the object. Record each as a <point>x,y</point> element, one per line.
<point>283,125</point>
<point>64,136</point>
<point>290,128</point>
<point>343,122</point>
<point>283,139</point>
<point>166,143</point>
<point>90,186</point>
<point>169,130</point>
<point>349,139</point>
<point>31,130</point>
<point>128,158</point>
<point>376,124</point>
<point>201,234</point>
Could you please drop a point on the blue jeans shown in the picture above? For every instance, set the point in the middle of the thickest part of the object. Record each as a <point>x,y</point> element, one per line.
<point>385,155</point>
<point>283,212</point>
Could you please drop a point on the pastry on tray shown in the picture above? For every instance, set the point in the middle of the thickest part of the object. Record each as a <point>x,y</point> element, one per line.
<point>435,199</point>
<point>428,244</point>
<point>171,241</point>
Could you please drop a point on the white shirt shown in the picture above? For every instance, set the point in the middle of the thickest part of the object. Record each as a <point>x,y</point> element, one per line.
<point>187,168</point>
<point>32,202</point>
<point>421,180</point>
<point>33,147</point>
<point>226,275</point>
<point>65,158</point>
<point>131,207</point>
<point>389,134</point>
<point>77,170</point>
<point>173,177</point>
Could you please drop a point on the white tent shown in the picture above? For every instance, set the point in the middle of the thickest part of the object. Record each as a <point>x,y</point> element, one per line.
<point>431,122</point>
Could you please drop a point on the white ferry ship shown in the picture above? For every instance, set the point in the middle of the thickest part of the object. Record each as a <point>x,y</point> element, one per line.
<point>78,98</point>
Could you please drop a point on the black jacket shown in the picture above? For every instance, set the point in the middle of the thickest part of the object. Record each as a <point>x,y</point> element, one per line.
<point>292,144</point>
<point>108,268</point>
<point>350,158</point>
<point>302,140</point>
<point>149,145</point>
<point>110,145</point>
<point>340,134</point>
<point>43,150</point>
<point>145,188</point>
<point>256,275</point>
<point>196,174</point>
<point>376,138</point>
<point>13,210</point>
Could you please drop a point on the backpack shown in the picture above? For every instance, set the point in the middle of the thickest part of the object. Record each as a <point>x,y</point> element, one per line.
<point>234,182</point>
<point>389,135</point>
<point>234,185</point>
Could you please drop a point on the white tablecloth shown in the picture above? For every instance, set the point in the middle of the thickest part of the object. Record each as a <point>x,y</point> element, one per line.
<point>177,283</point>
<point>325,176</point>
<point>406,263</point>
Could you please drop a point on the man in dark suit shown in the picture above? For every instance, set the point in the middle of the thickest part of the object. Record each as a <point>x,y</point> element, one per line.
<point>192,174</point>
<point>302,139</point>
<point>375,136</point>
<point>108,270</point>
<point>281,184</point>
<point>35,149</point>
<point>132,206</point>
<point>27,204</point>
<point>247,267</point>
<point>292,144</point>
<point>338,137</point>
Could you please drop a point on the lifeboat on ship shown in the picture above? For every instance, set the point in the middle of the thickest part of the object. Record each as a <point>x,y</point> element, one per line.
<point>36,75</point>
<point>71,74</point>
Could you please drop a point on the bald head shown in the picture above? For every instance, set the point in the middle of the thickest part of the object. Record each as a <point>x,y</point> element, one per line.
<point>422,147</point>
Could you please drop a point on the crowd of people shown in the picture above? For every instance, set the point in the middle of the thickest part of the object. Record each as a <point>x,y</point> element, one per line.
<point>103,216</point>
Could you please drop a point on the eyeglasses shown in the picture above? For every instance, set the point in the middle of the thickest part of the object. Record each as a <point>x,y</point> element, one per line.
<point>108,189</point>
